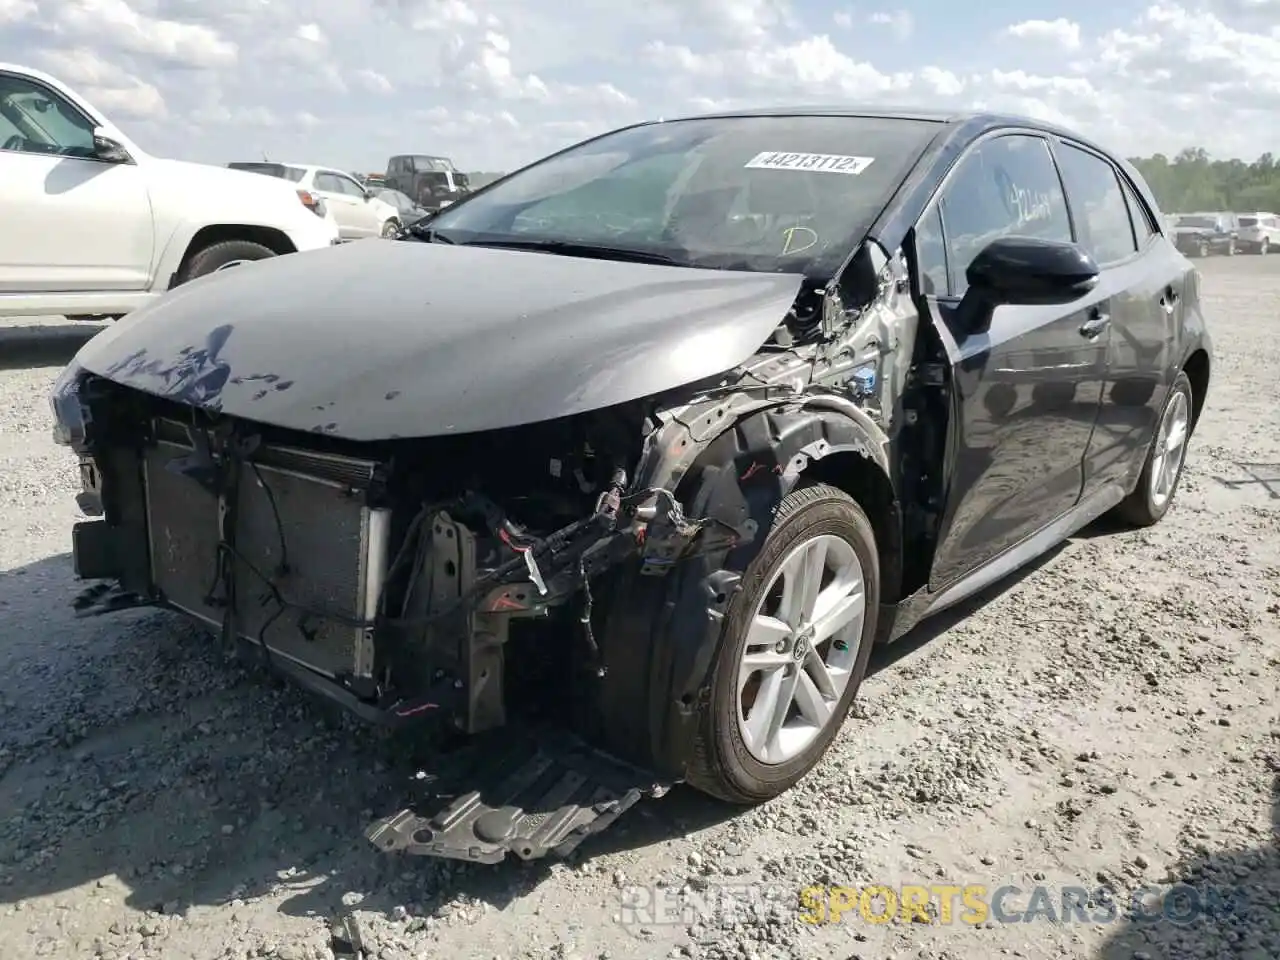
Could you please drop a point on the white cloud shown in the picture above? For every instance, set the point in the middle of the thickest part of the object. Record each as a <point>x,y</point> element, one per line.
<point>899,22</point>
<point>11,11</point>
<point>114,23</point>
<point>373,81</point>
<point>1061,32</point>
<point>500,82</point>
<point>112,89</point>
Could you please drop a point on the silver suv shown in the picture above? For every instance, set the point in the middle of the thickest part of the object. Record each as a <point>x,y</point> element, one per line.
<point>1259,232</point>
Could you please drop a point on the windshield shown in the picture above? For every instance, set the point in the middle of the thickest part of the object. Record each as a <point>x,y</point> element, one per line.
<point>1205,223</point>
<point>271,170</point>
<point>772,194</point>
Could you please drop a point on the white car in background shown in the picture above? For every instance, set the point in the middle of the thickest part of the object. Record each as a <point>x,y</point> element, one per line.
<point>95,227</point>
<point>356,209</point>
<point>1259,232</point>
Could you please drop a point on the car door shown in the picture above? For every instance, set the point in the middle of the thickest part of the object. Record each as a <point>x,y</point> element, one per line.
<point>367,216</point>
<point>72,223</point>
<point>1025,392</point>
<point>1140,277</point>
<point>349,210</point>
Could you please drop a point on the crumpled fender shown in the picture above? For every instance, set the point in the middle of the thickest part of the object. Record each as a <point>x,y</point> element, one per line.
<point>662,632</point>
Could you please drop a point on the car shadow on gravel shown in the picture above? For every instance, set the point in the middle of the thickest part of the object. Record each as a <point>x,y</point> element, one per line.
<point>43,345</point>
<point>137,755</point>
<point>1212,904</point>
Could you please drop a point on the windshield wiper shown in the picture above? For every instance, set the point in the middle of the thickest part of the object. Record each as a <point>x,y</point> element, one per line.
<point>571,248</point>
<point>424,232</point>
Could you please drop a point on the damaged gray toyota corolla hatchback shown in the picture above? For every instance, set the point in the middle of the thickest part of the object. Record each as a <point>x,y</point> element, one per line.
<point>621,465</point>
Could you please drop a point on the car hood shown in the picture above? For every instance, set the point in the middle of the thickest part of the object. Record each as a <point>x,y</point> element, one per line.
<point>379,340</point>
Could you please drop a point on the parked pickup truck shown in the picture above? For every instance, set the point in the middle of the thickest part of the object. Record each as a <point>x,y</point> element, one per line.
<point>432,182</point>
<point>95,227</point>
<point>1202,234</point>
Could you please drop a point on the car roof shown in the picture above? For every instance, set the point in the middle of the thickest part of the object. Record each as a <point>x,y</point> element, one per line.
<point>976,122</point>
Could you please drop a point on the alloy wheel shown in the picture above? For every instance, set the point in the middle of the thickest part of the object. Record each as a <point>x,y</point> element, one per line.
<point>1171,447</point>
<point>801,646</point>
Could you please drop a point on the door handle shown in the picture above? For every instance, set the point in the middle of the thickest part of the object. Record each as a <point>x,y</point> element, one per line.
<point>1097,322</point>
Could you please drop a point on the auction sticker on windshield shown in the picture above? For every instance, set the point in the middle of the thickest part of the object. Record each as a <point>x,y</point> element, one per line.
<point>821,162</point>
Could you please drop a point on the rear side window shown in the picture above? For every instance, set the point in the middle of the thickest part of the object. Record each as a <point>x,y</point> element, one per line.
<point>1005,187</point>
<point>1248,221</point>
<point>1098,205</point>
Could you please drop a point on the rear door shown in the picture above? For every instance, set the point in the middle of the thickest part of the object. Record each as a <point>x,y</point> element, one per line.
<point>345,198</point>
<point>1026,392</point>
<point>71,223</point>
<point>1141,279</point>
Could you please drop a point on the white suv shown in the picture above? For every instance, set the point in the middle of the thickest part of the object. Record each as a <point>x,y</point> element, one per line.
<point>96,227</point>
<point>1259,232</point>
<point>356,209</point>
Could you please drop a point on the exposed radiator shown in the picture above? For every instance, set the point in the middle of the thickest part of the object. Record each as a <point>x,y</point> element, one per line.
<point>335,546</point>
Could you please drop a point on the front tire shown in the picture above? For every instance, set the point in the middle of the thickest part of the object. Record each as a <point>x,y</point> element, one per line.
<point>390,229</point>
<point>1231,248</point>
<point>793,649</point>
<point>1166,456</point>
<point>225,255</point>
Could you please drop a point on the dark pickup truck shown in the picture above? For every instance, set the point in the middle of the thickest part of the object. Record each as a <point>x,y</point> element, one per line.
<point>1202,234</point>
<point>433,182</point>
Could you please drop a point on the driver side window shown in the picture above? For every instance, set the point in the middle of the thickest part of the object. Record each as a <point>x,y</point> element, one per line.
<point>34,119</point>
<point>1005,187</point>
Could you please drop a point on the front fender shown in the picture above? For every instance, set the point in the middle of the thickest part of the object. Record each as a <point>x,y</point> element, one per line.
<point>662,633</point>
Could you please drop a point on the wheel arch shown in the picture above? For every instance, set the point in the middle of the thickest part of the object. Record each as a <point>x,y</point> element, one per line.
<point>270,237</point>
<point>1196,368</point>
<point>661,633</point>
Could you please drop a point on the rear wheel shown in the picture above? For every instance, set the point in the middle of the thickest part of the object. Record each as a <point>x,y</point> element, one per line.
<point>1202,249</point>
<point>1231,248</point>
<point>1264,247</point>
<point>793,649</point>
<point>1152,497</point>
<point>223,255</point>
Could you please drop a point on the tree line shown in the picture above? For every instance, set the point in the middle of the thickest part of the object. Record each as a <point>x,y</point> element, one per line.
<point>1194,181</point>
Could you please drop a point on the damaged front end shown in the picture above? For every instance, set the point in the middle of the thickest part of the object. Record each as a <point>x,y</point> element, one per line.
<point>443,579</point>
<point>555,589</point>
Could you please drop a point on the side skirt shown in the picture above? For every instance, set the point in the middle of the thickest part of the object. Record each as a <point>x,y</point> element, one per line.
<point>903,617</point>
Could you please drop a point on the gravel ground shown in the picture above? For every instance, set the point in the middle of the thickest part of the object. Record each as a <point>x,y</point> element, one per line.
<point>1108,720</point>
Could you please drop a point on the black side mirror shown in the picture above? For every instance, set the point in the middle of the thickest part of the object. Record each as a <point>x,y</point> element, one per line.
<point>1024,271</point>
<point>108,150</point>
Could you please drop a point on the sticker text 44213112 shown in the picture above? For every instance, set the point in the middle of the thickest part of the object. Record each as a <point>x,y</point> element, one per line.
<point>817,162</point>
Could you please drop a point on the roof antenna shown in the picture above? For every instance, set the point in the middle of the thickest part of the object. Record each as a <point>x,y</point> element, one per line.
<point>265,158</point>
